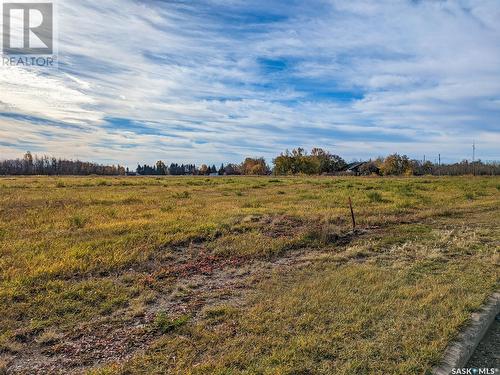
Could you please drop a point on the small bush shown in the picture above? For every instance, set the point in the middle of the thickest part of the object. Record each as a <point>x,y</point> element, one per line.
<point>60,184</point>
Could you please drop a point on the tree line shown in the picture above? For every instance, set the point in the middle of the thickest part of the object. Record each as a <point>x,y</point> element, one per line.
<point>399,165</point>
<point>297,161</point>
<point>319,161</point>
<point>160,168</point>
<point>45,165</point>
<point>250,166</point>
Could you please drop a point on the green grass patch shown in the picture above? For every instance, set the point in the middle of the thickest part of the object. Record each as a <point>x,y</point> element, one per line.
<point>374,196</point>
<point>165,324</point>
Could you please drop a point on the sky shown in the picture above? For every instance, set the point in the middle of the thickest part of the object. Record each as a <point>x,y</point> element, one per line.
<point>211,81</point>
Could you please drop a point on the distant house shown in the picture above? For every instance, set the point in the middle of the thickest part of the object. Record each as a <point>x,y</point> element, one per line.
<point>130,173</point>
<point>361,167</point>
<point>354,168</point>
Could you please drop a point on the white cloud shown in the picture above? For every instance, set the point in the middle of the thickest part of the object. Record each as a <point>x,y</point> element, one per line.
<point>427,73</point>
<point>30,93</point>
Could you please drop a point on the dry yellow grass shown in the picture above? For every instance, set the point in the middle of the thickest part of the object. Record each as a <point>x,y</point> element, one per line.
<point>73,250</point>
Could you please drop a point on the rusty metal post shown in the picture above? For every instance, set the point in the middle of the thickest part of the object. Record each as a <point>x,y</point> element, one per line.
<point>352,215</point>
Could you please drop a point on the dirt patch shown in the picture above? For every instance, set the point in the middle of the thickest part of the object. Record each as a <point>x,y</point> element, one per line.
<point>203,263</point>
<point>185,282</point>
<point>280,226</point>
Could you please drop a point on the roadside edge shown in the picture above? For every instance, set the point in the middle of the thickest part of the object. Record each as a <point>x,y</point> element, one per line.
<point>461,349</point>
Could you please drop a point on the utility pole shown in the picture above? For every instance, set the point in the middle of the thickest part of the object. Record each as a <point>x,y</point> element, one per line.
<point>439,164</point>
<point>473,157</point>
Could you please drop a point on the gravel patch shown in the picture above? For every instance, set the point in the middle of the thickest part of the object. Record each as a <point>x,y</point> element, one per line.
<point>487,354</point>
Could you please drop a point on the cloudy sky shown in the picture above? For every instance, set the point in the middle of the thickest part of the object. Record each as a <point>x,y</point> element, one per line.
<point>218,80</point>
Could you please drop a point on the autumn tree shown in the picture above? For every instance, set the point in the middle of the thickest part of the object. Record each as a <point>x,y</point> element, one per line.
<point>298,161</point>
<point>327,163</point>
<point>161,168</point>
<point>232,169</point>
<point>397,165</point>
<point>253,166</point>
<point>204,170</point>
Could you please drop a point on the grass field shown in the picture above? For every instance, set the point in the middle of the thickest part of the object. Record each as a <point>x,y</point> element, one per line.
<point>241,275</point>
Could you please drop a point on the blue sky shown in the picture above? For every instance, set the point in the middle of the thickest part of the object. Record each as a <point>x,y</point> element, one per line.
<point>218,80</point>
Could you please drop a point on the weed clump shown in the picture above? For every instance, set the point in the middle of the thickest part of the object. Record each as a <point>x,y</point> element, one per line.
<point>48,338</point>
<point>469,195</point>
<point>164,324</point>
<point>252,204</point>
<point>322,234</point>
<point>182,195</point>
<point>218,314</point>
<point>374,196</point>
<point>77,221</point>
